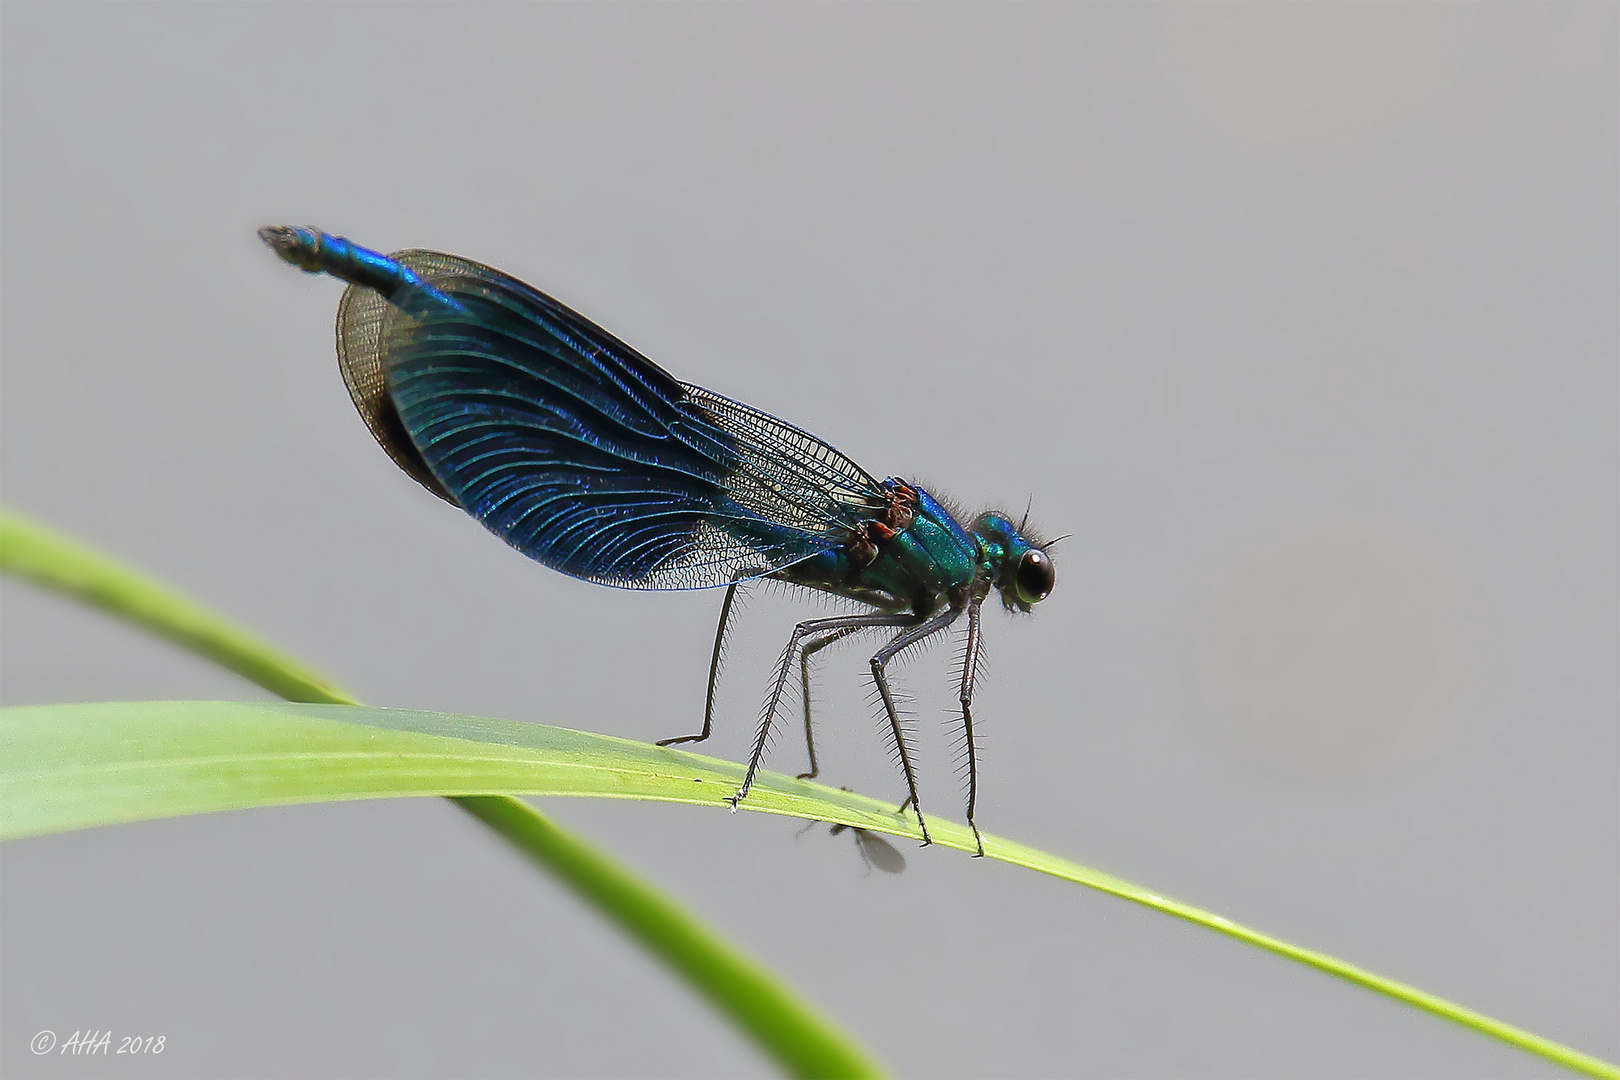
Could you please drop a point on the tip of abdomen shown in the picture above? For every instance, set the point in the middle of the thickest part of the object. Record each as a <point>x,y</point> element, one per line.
<point>298,246</point>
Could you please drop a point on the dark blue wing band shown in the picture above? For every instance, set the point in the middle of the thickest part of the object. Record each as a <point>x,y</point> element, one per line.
<point>585,455</point>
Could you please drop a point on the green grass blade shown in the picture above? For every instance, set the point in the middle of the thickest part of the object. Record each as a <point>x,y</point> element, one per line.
<point>273,754</point>
<point>737,987</point>
<point>781,1025</point>
<point>75,766</point>
<point>33,552</point>
<point>83,765</point>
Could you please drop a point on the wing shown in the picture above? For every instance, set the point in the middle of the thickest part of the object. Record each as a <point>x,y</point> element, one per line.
<point>577,450</point>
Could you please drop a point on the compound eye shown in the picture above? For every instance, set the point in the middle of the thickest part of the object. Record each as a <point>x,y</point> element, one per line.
<point>1035,576</point>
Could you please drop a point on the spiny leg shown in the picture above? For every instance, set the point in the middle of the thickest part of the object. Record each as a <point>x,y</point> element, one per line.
<point>768,714</point>
<point>714,669</point>
<point>970,671</point>
<point>804,676</point>
<point>901,641</point>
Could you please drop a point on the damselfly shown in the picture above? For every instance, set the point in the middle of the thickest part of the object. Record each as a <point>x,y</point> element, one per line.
<point>588,457</point>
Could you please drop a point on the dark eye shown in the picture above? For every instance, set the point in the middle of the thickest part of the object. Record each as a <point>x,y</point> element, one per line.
<point>1035,576</point>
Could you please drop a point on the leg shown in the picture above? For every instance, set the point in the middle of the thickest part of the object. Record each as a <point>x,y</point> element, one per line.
<point>970,670</point>
<point>860,846</point>
<point>901,641</point>
<point>768,714</point>
<point>714,669</point>
<point>804,676</point>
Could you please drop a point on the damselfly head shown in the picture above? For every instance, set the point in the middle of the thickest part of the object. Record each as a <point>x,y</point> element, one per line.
<point>1017,564</point>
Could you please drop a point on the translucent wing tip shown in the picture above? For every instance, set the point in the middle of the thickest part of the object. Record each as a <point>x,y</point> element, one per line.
<point>297,246</point>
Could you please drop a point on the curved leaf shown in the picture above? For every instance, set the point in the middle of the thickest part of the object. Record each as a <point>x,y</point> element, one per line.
<point>44,556</point>
<point>760,1006</point>
<point>74,766</point>
<point>77,766</point>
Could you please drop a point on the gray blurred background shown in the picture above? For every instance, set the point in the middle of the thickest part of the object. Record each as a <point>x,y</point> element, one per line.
<point>1302,319</point>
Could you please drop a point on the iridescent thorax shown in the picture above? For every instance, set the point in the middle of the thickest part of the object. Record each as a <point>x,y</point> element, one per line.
<point>918,557</point>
